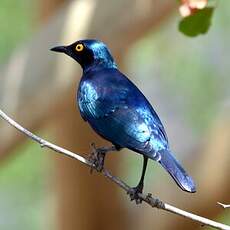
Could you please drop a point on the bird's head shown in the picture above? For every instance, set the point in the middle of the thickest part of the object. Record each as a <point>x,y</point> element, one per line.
<point>88,53</point>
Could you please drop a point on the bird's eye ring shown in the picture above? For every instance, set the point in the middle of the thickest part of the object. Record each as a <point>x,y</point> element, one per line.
<point>79,47</point>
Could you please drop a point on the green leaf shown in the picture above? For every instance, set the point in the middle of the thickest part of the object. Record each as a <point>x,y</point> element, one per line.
<point>198,23</point>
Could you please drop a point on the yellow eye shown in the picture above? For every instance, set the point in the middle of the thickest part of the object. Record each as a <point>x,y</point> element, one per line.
<point>79,47</point>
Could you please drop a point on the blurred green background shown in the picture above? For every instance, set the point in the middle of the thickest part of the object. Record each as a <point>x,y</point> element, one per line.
<point>18,23</point>
<point>184,66</point>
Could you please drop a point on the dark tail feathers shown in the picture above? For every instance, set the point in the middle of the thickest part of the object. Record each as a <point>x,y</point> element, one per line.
<point>169,162</point>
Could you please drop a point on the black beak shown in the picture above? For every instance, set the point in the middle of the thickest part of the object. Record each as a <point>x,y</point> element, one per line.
<point>60,49</point>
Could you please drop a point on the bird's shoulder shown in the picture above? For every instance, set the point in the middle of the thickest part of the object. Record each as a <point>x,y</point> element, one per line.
<point>102,92</point>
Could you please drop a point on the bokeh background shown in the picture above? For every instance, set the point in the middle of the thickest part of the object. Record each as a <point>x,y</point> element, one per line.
<point>186,79</point>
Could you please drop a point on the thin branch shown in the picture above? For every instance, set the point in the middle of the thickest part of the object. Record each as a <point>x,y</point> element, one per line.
<point>224,205</point>
<point>154,202</point>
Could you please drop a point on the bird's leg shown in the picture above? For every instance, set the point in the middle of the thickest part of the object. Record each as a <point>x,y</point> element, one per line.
<point>97,157</point>
<point>139,188</point>
<point>111,148</point>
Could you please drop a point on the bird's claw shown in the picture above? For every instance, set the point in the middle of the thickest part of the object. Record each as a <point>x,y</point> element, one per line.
<point>134,194</point>
<point>97,158</point>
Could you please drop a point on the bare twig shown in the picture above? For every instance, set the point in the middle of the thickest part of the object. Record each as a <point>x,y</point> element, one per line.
<point>224,205</point>
<point>154,202</point>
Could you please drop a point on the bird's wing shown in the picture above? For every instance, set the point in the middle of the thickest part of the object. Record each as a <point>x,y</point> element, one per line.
<point>125,118</point>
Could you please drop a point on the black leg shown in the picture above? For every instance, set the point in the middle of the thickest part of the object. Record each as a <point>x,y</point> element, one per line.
<point>141,182</point>
<point>139,188</point>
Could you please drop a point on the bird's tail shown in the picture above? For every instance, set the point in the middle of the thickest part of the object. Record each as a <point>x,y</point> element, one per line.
<point>169,162</point>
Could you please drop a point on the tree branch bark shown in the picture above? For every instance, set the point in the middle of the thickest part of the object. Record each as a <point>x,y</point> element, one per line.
<point>147,198</point>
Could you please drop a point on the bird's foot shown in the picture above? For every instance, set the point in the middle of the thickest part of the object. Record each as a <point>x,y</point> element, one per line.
<point>97,158</point>
<point>134,193</point>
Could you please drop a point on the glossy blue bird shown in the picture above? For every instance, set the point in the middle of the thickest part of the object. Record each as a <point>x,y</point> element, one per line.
<point>119,112</point>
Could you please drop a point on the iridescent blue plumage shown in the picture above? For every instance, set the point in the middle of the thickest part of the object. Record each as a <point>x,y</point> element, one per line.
<point>118,111</point>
